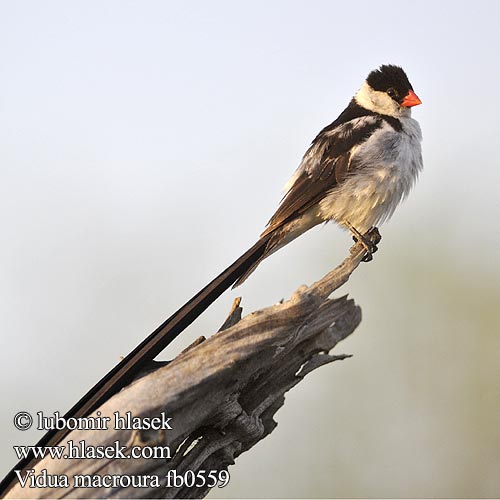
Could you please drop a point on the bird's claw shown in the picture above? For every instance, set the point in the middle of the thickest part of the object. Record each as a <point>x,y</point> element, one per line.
<point>369,240</point>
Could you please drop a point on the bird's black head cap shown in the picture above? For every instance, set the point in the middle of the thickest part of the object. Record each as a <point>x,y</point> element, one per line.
<point>391,79</point>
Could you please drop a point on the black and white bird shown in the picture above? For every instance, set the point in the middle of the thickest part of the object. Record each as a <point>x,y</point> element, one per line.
<point>358,168</point>
<point>356,172</point>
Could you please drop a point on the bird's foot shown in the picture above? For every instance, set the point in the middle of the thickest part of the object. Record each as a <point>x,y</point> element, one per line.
<point>369,240</point>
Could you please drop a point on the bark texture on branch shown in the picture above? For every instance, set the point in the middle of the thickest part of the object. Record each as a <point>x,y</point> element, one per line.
<point>221,394</point>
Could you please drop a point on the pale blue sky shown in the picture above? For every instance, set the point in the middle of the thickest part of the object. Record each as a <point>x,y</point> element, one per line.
<point>143,146</point>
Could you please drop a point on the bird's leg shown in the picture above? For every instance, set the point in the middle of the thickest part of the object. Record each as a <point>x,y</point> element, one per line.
<point>369,240</point>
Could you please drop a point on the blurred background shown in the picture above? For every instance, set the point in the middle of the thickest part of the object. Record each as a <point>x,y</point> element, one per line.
<point>143,147</point>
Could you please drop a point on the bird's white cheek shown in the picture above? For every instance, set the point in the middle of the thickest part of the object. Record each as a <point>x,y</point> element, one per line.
<point>377,101</point>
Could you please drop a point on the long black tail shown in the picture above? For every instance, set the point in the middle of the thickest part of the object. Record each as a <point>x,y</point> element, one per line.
<point>123,373</point>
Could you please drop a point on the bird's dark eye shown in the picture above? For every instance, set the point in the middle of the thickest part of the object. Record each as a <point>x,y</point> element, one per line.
<point>391,92</point>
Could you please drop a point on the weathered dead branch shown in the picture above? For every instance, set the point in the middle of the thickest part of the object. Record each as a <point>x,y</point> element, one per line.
<point>221,394</point>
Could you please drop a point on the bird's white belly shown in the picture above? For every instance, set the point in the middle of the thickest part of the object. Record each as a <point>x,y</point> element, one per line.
<point>370,194</point>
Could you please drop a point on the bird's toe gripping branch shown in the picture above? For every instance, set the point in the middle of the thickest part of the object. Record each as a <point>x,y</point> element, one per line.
<point>369,240</point>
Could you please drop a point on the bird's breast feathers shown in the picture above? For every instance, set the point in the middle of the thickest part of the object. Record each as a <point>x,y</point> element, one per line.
<point>384,169</point>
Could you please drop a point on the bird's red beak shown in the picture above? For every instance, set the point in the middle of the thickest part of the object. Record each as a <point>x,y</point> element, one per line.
<point>411,99</point>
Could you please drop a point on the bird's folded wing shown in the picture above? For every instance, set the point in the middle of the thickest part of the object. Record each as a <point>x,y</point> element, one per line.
<point>331,156</point>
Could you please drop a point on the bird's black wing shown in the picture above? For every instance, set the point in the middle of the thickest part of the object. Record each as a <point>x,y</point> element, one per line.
<point>325,165</point>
